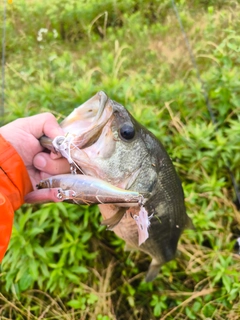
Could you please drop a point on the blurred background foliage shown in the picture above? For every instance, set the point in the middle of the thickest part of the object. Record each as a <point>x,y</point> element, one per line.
<point>61,263</point>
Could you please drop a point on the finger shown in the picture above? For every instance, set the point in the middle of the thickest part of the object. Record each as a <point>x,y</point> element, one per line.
<point>43,162</point>
<point>55,155</point>
<point>44,124</point>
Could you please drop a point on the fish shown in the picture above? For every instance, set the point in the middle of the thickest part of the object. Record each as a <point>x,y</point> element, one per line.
<point>103,141</point>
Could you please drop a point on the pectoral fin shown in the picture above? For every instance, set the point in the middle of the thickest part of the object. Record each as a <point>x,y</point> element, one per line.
<point>114,220</point>
<point>153,271</point>
<point>129,248</point>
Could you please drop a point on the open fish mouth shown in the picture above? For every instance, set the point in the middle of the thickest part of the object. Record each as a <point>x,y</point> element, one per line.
<point>85,123</point>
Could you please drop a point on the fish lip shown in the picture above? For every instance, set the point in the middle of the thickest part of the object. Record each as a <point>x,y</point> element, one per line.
<point>92,139</point>
<point>103,102</point>
<point>90,104</point>
<point>85,126</point>
<point>92,135</point>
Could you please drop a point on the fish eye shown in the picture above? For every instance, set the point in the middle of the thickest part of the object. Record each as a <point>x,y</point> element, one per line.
<point>127,131</point>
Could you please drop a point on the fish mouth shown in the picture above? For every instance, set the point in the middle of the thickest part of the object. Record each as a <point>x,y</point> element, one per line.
<point>86,122</point>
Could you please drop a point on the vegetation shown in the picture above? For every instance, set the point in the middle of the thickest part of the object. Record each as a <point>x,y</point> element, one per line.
<point>61,263</point>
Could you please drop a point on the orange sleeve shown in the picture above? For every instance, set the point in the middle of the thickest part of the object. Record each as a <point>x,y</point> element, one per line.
<point>14,185</point>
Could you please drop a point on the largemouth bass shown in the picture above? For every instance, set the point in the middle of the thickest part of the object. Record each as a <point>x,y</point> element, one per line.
<point>104,141</point>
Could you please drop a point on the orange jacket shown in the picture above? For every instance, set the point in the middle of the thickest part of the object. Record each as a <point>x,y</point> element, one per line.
<point>14,185</point>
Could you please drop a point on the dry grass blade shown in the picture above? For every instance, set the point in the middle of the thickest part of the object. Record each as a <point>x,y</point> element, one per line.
<point>16,306</point>
<point>187,301</point>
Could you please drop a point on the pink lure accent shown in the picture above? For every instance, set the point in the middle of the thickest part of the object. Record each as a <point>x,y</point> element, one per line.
<point>142,221</point>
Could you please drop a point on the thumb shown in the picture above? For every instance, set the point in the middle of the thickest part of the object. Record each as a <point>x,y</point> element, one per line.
<point>44,124</point>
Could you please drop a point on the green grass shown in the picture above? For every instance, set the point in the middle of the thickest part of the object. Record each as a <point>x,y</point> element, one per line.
<point>61,263</point>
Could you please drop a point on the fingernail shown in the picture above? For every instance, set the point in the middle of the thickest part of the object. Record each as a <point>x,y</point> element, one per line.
<point>40,162</point>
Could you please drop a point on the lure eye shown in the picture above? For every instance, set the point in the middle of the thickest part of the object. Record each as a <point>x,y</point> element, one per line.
<point>127,131</point>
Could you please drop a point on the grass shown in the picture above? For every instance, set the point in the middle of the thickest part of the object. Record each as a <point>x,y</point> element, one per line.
<point>61,263</point>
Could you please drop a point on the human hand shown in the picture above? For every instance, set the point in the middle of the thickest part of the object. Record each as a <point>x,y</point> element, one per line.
<point>23,134</point>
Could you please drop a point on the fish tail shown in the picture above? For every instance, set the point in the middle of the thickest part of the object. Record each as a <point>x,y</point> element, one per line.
<point>153,271</point>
